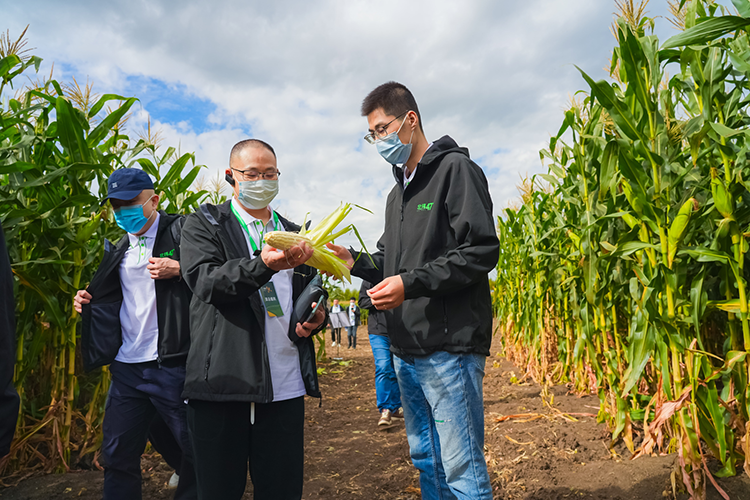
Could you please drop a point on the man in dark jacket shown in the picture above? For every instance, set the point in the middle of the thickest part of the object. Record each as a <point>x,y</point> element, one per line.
<point>431,274</point>
<point>387,394</point>
<point>135,319</point>
<point>8,395</point>
<point>354,315</point>
<point>250,364</point>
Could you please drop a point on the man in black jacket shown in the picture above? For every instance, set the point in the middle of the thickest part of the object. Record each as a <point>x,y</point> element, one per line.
<point>135,319</point>
<point>8,395</point>
<point>354,314</point>
<point>250,364</point>
<point>431,274</point>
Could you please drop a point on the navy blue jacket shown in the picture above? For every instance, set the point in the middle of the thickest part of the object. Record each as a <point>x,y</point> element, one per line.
<point>101,333</point>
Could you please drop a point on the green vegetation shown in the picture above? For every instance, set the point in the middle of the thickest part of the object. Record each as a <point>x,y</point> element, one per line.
<point>58,144</point>
<point>623,270</point>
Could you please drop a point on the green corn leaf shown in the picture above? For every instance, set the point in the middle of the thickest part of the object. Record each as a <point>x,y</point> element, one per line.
<point>707,31</point>
<point>175,171</point>
<point>623,118</point>
<point>107,124</point>
<point>742,6</point>
<point>8,63</point>
<point>70,131</point>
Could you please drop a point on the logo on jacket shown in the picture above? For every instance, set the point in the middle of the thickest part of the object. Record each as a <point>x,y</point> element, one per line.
<point>424,206</point>
<point>167,254</point>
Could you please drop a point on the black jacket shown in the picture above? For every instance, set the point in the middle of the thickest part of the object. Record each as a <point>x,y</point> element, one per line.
<point>101,333</point>
<point>8,395</point>
<point>376,320</point>
<point>440,237</point>
<point>357,313</point>
<point>228,358</point>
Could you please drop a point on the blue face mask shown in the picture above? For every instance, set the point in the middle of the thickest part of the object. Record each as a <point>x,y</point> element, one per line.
<point>392,149</point>
<point>131,219</point>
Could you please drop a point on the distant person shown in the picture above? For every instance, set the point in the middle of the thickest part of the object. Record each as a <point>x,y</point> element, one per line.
<point>431,271</point>
<point>135,319</point>
<point>387,394</point>
<point>250,366</point>
<point>9,400</point>
<point>351,330</point>
<point>335,332</point>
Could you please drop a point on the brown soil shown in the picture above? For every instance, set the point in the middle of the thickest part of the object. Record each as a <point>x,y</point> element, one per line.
<point>544,456</point>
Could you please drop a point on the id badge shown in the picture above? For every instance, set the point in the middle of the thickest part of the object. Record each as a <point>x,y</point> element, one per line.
<point>271,300</point>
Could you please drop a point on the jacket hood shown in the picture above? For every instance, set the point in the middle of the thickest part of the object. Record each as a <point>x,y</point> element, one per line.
<point>440,148</point>
<point>434,154</point>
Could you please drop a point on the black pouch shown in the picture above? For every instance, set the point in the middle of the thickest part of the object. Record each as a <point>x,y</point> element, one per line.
<point>313,292</point>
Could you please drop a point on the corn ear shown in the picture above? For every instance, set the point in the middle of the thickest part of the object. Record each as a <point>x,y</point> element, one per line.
<point>722,198</point>
<point>630,220</point>
<point>679,227</point>
<point>317,237</point>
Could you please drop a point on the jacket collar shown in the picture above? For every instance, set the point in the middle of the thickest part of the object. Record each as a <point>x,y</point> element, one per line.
<point>439,148</point>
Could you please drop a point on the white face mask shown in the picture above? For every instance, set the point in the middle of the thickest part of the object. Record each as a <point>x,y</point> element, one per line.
<point>255,195</point>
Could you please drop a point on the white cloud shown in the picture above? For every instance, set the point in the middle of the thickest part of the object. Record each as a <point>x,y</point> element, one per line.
<point>495,75</point>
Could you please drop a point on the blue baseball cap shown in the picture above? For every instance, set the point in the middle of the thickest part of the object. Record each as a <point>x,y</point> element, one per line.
<point>127,183</point>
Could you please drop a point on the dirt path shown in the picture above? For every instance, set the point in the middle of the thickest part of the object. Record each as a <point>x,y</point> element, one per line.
<point>543,456</point>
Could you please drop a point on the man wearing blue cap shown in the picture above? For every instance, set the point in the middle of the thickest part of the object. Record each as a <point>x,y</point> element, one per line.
<point>136,319</point>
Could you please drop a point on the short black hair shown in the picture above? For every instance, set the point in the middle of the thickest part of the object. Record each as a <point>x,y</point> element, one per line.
<point>353,298</point>
<point>394,98</point>
<point>250,143</point>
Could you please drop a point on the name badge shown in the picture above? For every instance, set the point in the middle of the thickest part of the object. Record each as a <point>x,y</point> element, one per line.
<point>271,300</point>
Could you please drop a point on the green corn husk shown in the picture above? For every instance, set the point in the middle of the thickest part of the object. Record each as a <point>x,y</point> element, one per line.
<point>317,237</point>
<point>679,227</point>
<point>722,198</point>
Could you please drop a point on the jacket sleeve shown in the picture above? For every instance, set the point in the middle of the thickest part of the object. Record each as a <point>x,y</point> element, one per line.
<point>206,270</point>
<point>364,299</point>
<point>367,269</point>
<point>469,209</point>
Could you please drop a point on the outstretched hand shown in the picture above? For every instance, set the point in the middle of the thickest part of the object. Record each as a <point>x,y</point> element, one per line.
<point>343,254</point>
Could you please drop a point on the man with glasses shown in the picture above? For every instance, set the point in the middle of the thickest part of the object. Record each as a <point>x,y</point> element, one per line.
<point>431,277</point>
<point>249,366</point>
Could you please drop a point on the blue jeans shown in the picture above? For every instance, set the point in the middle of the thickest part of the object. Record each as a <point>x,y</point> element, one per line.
<point>386,384</point>
<point>444,415</point>
<point>351,333</point>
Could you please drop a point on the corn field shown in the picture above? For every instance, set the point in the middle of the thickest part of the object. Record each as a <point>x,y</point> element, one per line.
<point>622,270</point>
<point>58,144</point>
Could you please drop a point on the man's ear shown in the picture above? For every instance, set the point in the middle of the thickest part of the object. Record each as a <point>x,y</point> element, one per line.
<point>413,120</point>
<point>228,177</point>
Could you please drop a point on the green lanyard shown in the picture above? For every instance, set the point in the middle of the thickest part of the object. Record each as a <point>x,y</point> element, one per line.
<point>258,226</point>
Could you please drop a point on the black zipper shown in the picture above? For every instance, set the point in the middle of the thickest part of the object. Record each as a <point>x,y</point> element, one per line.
<point>210,346</point>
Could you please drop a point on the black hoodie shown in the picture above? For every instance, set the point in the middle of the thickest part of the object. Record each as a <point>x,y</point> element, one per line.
<point>440,237</point>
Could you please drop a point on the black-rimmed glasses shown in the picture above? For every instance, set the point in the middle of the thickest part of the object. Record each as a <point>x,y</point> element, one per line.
<point>252,175</point>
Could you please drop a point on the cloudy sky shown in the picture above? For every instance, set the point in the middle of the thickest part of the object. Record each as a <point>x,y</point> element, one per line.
<point>493,74</point>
